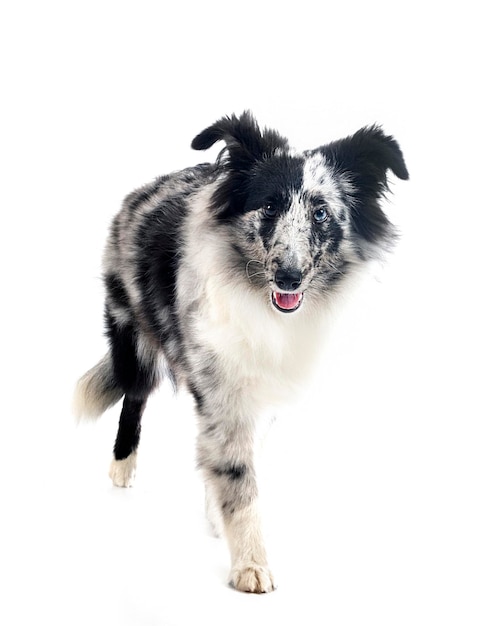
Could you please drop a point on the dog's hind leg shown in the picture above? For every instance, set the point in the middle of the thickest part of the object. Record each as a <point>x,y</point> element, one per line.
<point>135,365</point>
<point>123,466</point>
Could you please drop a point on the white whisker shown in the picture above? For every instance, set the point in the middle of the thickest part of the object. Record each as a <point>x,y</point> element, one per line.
<point>255,273</point>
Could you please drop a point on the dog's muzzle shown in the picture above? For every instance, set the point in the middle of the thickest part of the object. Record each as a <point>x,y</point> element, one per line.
<point>288,299</point>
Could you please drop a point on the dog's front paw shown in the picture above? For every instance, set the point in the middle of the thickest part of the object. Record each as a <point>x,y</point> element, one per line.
<point>252,578</point>
<point>123,472</point>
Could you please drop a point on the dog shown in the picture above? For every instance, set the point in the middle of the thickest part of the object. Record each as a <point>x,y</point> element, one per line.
<point>221,276</point>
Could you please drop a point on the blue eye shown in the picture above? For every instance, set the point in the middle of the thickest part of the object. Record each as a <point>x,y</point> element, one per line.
<point>320,215</point>
<point>269,211</point>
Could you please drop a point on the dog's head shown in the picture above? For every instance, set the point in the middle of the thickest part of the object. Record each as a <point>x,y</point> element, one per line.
<point>299,221</point>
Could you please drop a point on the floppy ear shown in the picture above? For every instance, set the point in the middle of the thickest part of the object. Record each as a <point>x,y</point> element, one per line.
<point>245,141</point>
<point>365,158</point>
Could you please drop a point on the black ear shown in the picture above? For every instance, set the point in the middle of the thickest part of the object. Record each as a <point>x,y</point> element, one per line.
<point>365,159</point>
<point>245,141</point>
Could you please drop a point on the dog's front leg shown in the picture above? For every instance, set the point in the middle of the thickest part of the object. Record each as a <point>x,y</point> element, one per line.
<point>250,571</point>
<point>225,452</point>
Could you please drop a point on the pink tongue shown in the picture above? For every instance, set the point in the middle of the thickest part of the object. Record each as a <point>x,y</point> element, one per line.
<point>287,300</point>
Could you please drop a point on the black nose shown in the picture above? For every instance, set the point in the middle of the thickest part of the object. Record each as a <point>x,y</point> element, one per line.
<point>289,279</point>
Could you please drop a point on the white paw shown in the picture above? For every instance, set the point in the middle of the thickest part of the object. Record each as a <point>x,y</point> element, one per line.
<point>252,578</point>
<point>123,472</point>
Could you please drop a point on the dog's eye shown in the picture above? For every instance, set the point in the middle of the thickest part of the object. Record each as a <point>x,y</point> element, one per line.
<point>320,215</point>
<point>269,211</point>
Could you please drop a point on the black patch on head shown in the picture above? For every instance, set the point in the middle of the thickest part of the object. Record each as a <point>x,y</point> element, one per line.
<point>366,157</point>
<point>328,233</point>
<point>335,235</point>
<point>273,184</point>
<point>246,148</point>
<point>266,230</point>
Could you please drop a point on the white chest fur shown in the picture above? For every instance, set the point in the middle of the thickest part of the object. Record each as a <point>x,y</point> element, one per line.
<point>269,353</point>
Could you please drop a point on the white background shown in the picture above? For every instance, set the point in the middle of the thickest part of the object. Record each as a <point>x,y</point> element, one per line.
<point>374,487</point>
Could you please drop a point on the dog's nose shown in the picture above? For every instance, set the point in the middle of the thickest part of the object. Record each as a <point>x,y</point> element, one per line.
<point>289,279</point>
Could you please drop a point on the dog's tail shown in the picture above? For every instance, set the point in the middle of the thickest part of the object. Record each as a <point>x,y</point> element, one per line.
<point>96,391</point>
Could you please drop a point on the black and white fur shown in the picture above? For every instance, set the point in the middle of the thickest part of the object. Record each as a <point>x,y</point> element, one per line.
<point>220,276</point>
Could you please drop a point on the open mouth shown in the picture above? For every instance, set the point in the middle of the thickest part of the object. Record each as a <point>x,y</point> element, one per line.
<point>286,302</point>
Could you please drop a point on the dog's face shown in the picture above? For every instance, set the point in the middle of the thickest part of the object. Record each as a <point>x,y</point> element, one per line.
<point>295,228</point>
<point>299,222</point>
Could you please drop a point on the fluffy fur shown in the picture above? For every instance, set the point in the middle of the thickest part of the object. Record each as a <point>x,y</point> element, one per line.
<point>220,276</point>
